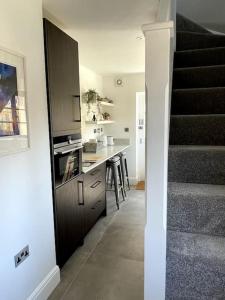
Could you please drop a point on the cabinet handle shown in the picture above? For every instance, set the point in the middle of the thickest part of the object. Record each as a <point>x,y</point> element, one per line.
<point>80,193</point>
<point>95,184</point>
<point>77,108</point>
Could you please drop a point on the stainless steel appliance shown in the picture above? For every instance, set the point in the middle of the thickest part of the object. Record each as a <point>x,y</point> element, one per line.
<point>67,158</point>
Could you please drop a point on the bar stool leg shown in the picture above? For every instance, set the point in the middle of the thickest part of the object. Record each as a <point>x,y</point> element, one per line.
<point>122,162</point>
<point>115,176</point>
<point>128,182</point>
<point>121,183</point>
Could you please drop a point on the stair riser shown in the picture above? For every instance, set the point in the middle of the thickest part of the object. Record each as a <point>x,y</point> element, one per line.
<point>196,214</point>
<point>205,101</point>
<point>184,24</point>
<point>199,58</point>
<point>194,278</point>
<point>202,77</point>
<point>196,166</point>
<point>197,130</point>
<point>190,41</point>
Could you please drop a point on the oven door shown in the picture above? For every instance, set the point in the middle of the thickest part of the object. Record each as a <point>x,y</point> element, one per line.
<point>67,166</point>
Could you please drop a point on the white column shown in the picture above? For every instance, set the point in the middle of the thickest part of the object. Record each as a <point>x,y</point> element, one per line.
<point>159,57</point>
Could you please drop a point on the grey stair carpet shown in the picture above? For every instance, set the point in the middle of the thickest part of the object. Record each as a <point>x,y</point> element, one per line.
<point>198,101</point>
<point>197,164</point>
<point>197,208</point>
<point>193,40</point>
<point>199,57</point>
<point>195,266</point>
<point>195,130</point>
<point>184,24</point>
<point>196,168</point>
<point>199,77</point>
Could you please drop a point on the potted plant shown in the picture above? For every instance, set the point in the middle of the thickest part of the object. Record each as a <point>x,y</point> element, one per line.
<point>90,97</point>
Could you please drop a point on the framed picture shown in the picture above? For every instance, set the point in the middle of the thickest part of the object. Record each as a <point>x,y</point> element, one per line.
<point>13,107</point>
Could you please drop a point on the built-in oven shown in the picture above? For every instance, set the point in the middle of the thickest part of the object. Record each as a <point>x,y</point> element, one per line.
<point>67,159</point>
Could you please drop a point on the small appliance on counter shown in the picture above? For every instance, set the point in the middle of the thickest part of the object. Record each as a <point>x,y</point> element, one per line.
<point>103,140</point>
<point>92,146</point>
<point>110,141</point>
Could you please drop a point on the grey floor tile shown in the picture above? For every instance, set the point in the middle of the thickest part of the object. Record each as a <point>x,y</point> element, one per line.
<point>107,277</point>
<point>125,241</point>
<point>110,264</point>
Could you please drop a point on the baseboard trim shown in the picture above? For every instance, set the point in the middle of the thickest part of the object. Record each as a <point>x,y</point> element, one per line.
<point>133,180</point>
<point>46,287</point>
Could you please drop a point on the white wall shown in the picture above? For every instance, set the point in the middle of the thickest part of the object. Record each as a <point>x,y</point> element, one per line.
<point>89,80</point>
<point>124,112</point>
<point>26,213</point>
<point>203,11</point>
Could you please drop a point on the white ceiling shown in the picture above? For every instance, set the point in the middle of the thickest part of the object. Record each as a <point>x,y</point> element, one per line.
<point>106,30</point>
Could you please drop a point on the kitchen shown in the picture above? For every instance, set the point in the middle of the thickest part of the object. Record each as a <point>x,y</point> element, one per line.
<point>85,162</point>
<point>28,227</point>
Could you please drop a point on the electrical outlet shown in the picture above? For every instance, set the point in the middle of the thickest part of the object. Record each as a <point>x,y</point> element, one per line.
<point>126,129</point>
<point>101,129</point>
<point>21,256</point>
<point>98,130</point>
<point>95,130</point>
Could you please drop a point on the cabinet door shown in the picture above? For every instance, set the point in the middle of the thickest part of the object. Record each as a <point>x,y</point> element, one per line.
<point>95,195</point>
<point>69,220</point>
<point>62,66</point>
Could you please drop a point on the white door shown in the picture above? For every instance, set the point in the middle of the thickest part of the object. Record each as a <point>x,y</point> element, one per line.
<point>140,134</point>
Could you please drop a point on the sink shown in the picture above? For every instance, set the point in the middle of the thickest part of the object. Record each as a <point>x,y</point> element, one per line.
<point>88,163</point>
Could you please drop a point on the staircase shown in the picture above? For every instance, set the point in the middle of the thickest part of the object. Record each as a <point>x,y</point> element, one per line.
<point>196,189</point>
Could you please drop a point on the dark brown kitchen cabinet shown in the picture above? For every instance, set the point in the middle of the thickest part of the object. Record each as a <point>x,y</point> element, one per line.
<point>63,87</point>
<point>69,216</point>
<point>94,195</point>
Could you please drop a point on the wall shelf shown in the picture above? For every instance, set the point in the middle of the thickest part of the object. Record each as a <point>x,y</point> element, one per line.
<point>100,122</point>
<point>103,103</point>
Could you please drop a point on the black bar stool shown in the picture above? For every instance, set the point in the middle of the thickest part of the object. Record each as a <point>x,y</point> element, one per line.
<point>126,182</point>
<point>113,173</point>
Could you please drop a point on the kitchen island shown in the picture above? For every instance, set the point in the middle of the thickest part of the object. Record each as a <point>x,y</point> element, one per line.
<point>101,156</point>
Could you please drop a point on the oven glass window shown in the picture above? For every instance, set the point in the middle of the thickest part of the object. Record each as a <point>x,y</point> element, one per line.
<point>66,167</point>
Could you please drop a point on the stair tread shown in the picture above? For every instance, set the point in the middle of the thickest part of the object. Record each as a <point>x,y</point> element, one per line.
<point>199,68</point>
<point>207,190</point>
<point>202,89</point>
<point>196,208</point>
<point>200,50</point>
<point>195,266</point>
<point>197,245</point>
<point>199,116</point>
<point>197,148</point>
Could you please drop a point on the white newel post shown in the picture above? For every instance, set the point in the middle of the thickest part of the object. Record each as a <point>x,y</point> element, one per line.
<point>159,56</point>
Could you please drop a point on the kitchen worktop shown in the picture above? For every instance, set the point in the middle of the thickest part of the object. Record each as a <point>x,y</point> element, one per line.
<point>102,155</point>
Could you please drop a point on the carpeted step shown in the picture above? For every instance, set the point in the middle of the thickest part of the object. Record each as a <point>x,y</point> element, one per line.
<point>199,57</point>
<point>197,164</point>
<point>199,77</point>
<point>184,24</point>
<point>196,208</point>
<point>197,130</point>
<point>198,101</point>
<point>195,266</point>
<point>193,40</point>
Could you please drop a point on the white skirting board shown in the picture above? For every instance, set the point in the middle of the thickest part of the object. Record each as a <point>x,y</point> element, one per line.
<point>46,287</point>
<point>133,180</point>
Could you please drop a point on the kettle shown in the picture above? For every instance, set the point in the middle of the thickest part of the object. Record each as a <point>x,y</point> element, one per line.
<point>110,140</point>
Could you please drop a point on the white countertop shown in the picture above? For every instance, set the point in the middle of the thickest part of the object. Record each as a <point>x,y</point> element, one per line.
<point>102,155</point>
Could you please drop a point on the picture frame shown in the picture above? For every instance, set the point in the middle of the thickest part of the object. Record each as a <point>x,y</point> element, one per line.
<point>14,125</point>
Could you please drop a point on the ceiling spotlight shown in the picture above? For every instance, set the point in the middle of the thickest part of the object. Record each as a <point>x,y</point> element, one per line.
<point>140,37</point>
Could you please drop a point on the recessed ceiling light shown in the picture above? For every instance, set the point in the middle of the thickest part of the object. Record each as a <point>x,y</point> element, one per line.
<point>140,37</point>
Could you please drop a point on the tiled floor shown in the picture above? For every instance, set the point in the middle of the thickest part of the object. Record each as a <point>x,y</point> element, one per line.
<point>110,265</point>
